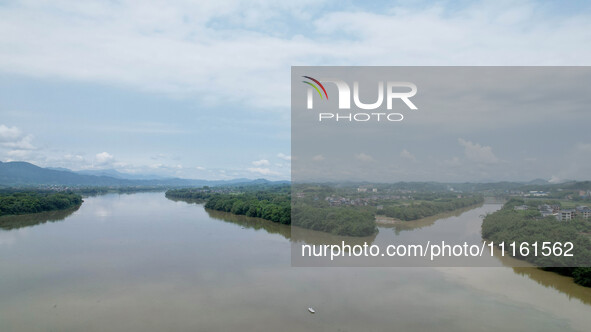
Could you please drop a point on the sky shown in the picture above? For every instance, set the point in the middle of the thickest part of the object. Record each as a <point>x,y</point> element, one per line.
<point>201,89</point>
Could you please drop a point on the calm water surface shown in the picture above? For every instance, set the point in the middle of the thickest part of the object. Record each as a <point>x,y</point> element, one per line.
<point>141,262</point>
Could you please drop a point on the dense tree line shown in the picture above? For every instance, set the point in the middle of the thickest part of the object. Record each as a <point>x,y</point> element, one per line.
<point>274,204</point>
<point>195,194</point>
<point>508,225</point>
<point>312,212</point>
<point>271,206</point>
<point>349,221</point>
<point>427,209</point>
<point>32,202</point>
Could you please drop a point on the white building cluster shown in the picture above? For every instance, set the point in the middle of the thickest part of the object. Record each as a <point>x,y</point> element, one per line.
<point>564,214</point>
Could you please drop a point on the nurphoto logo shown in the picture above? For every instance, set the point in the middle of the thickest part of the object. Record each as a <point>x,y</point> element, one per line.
<point>392,92</point>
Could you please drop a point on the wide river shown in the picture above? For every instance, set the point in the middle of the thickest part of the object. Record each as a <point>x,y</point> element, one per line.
<point>141,262</point>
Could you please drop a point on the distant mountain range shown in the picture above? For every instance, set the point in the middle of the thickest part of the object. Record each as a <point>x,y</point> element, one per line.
<point>539,182</point>
<point>20,173</point>
<point>112,173</point>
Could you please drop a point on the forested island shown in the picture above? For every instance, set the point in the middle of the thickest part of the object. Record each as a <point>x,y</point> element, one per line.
<point>434,205</point>
<point>267,202</point>
<point>339,210</point>
<point>275,207</point>
<point>197,194</point>
<point>25,202</point>
<point>346,221</point>
<point>515,222</point>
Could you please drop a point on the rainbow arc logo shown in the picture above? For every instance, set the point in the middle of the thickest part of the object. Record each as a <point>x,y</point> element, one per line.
<point>316,86</point>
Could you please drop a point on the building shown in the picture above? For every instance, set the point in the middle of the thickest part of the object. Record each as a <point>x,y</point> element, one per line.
<point>584,212</point>
<point>536,193</point>
<point>521,207</point>
<point>549,213</point>
<point>565,215</point>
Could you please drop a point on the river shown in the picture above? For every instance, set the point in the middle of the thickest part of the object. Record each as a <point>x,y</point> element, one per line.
<point>141,262</point>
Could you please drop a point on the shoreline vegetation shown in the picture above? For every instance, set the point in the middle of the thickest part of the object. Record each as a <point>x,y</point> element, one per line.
<point>266,202</point>
<point>343,212</point>
<point>436,205</point>
<point>10,222</point>
<point>521,225</point>
<point>382,220</point>
<point>357,210</point>
<point>30,202</point>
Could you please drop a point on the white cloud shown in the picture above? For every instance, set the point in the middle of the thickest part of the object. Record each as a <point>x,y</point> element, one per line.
<point>318,158</point>
<point>9,134</point>
<point>263,171</point>
<point>407,155</point>
<point>262,162</point>
<point>284,157</point>
<point>14,138</point>
<point>161,166</point>
<point>103,158</point>
<point>189,48</point>
<point>364,157</point>
<point>23,143</point>
<point>18,154</point>
<point>73,157</point>
<point>478,153</point>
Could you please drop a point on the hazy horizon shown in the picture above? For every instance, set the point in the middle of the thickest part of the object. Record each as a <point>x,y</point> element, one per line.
<point>350,182</point>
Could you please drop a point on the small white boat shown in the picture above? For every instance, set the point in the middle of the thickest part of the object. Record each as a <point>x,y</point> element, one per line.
<point>311,310</point>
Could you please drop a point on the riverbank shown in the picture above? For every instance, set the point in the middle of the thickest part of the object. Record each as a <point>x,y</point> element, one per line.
<point>527,226</point>
<point>28,202</point>
<point>384,221</point>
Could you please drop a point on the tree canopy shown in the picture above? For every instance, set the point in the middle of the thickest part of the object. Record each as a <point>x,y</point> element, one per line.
<point>509,225</point>
<point>12,203</point>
